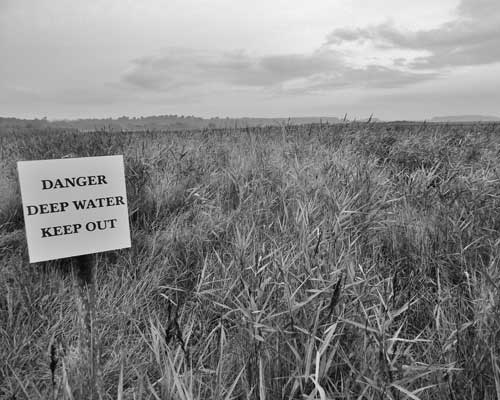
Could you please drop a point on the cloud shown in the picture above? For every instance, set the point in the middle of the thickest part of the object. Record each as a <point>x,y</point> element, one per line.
<point>472,38</point>
<point>479,9</point>
<point>299,73</point>
<point>184,67</point>
<point>379,77</point>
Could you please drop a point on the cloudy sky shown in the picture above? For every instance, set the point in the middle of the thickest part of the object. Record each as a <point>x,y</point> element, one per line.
<point>398,59</point>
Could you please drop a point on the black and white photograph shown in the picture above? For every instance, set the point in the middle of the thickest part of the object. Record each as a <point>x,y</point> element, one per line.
<point>249,200</point>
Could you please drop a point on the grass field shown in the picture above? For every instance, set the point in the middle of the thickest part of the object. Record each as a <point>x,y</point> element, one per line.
<point>357,261</point>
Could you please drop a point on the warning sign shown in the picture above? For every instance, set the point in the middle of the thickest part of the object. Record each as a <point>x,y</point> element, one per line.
<point>74,206</point>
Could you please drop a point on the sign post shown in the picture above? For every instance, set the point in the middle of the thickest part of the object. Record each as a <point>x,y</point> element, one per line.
<point>84,295</point>
<point>74,208</point>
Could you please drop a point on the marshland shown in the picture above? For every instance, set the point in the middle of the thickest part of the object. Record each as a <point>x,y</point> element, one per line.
<point>318,261</point>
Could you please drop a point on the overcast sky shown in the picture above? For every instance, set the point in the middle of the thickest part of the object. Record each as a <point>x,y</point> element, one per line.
<point>398,59</point>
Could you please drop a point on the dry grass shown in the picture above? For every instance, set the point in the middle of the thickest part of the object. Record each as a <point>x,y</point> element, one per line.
<point>314,262</point>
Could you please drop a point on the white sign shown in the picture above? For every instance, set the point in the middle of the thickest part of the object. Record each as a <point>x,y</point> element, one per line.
<point>74,206</point>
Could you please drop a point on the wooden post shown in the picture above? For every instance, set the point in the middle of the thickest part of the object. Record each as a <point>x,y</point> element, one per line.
<point>84,293</point>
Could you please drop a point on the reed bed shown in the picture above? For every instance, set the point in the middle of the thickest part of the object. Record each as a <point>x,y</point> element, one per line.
<point>356,261</point>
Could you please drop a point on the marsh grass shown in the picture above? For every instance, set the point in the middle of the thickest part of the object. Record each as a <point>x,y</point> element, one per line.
<point>302,262</point>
